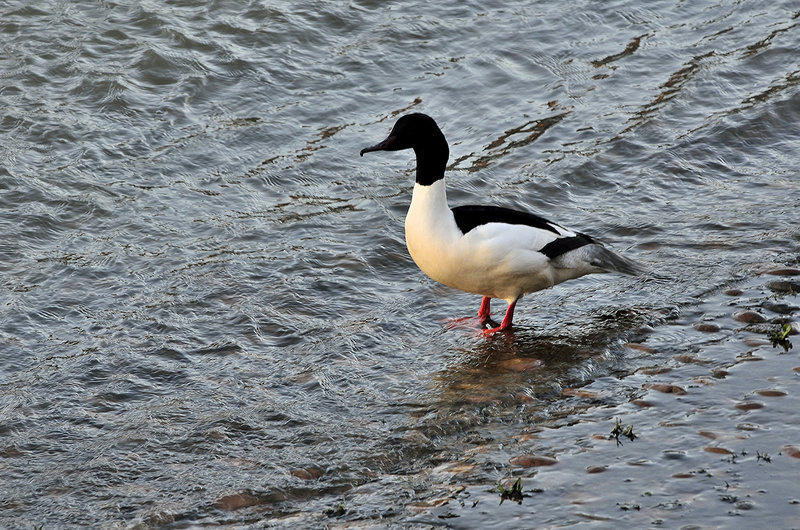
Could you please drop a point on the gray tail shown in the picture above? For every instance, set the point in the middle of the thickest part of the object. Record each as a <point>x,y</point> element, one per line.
<point>609,261</point>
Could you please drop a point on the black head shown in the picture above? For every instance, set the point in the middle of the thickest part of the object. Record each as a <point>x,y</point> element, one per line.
<point>420,133</point>
<point>410,131</point>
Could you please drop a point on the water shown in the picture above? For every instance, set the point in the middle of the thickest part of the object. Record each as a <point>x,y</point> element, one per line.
<point>209,316</point>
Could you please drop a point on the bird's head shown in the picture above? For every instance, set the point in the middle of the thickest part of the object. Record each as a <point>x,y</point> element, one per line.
<point>413,131</point>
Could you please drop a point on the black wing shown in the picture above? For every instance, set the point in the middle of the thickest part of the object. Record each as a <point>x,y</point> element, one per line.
<point>469,217</point>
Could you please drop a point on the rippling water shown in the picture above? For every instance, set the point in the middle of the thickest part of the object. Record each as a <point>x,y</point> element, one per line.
<point>209,315</point>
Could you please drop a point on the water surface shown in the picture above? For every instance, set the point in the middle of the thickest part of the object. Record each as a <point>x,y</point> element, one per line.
<point>209,316</point>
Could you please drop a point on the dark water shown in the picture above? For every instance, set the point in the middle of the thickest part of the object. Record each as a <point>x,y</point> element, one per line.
<point>209,316</point>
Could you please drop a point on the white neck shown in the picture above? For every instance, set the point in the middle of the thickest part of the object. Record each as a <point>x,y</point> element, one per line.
<point>429,200</point>
<point>430,226</point>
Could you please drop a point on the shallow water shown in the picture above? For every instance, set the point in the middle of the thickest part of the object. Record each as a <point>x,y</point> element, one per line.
<point>209,316</point>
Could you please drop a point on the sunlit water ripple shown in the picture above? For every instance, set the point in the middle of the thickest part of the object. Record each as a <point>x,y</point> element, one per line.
<point>210,317</point>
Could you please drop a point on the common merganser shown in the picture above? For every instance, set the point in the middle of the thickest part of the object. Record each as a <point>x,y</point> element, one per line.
<point>488,250</point>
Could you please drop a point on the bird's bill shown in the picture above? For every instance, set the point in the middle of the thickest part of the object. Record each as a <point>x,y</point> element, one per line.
<point>387,145</point>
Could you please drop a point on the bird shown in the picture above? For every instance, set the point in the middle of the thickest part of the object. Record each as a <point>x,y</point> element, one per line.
<point>491,251</point>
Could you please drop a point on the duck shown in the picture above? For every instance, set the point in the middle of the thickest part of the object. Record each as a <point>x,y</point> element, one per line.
<point>492,251</point>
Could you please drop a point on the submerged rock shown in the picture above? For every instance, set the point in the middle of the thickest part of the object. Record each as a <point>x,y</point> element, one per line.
<point>532,461</point>
<point>236,501</point>
<point>787,271</point>
<point>749,317</point>
<point>779,307</point>
<point>749,405</point>
<point>308,473</point>
<point>665,388</point>
<point>791,450</point>
<point>520,364</point>
<point>784,287</point>
<point>771,393</point>
<point>640,347</point>
<point>718,450</point>
<point>706,327</point>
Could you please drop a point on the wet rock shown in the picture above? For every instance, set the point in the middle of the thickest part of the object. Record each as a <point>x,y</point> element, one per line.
<point>749,317</point>
<point>733,292</point>
<point>690,359</point>
<point>784,287</point>
<point>428,504</point>
<point>640,347</point>
<point>761,329</point>
<point>508,483</point>
<point>525,437</point>
<point>755,342</point>
<point>791,450</point>
<point>779,307</point>
<point>236,501</point>
<point>582,393</point>
<point>520,364</point>
<point>532,461</point>
<point>718,450</point>
<point>749,405</point>
<point>457,468</point>
<point>308,473</point>
<point>665,388</point>
<point>643,403</point>
<point>10,452</point>
<point>478,450</point>
<point>788,271</point>
<point>596,469</point>
<point>746,357</point>
<point>706,327</point>
<point>656,370</point>
<point>771,393</point>
<point>455,490</point>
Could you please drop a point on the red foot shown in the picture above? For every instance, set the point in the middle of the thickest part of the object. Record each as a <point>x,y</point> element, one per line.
<point>506,321</point>
<point>485,312</point>
<point>491,331</point>
<point>483,316</point>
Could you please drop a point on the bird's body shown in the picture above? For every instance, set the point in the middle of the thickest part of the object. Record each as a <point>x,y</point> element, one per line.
<point>491,259</point>
<point>487,250</point>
